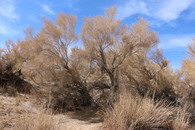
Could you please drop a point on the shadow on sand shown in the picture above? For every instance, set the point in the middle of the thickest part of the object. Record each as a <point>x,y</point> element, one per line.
<point>88,114</point>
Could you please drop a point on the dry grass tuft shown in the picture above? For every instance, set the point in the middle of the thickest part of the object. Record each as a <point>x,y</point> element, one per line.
<point>181,121</point>
<point>35,122</point>
<point>133,112</point>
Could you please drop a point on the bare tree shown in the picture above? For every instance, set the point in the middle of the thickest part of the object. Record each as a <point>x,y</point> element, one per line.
<point>109,43</point>
<point>55,63</point>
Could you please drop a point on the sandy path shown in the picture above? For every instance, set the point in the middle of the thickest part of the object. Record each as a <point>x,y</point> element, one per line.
<point>66,122</point>
<point>12,108</point>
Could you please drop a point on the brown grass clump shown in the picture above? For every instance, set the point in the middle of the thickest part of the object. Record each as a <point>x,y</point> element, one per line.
<point>181,122</point>
<point>132,112</point>
<point>39,121</point>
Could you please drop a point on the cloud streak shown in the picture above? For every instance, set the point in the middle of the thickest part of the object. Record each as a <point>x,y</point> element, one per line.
<point>7,30</point>
<point>8,10</point>
<point>8,16</point>
<point>164,10</point>
<point>48,9</point>
<point>174,41</point>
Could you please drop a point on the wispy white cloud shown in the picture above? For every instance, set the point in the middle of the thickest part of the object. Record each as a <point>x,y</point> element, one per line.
<point>8,10</point>
<point>175,46</point>
<point>8,16</point>
<point>172,9</point>
<point>132,7</point>
<point>7,30</point>
<point>164,10</point>
<point>173,41</point>
<point>48,9</point>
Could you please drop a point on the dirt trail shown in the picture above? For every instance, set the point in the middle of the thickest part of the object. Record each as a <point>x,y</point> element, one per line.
<point>12,108</point>
<point>86,119</point>
<point>66,122</point>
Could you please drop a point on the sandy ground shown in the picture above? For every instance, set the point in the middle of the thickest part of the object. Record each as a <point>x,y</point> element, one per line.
<point>66,122</point>
<point>12,108</point>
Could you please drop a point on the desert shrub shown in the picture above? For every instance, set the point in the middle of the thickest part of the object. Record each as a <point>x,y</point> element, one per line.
<point>187,89</point>
<point>110,45</point>
<point>11,62</point>
<point>11,81</point>
<point>141,113</point>
<point>106,47</point>
<point>68,97</point>
<point>150,76</point>
<point>114,56</point>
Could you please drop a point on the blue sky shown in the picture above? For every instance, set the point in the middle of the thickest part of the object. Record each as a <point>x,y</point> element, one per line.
<point>174,20</point>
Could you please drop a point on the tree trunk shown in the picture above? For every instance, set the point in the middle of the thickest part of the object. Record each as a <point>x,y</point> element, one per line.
<point>85,96</point>
<point>114,78</point>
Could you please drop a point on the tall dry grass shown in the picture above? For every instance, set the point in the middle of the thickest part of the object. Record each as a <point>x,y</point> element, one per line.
<point>132,112</point>
<point>43,119</point>
<point>39,121</point>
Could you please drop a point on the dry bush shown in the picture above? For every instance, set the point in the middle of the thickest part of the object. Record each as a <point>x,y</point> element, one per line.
<point>188,68</point>
<point>109,44</point>
<point>187,89</point>
<point>11,81</point>
<point>150,76</point>
<point>11,77</point>
<point>67,98</point>
<point>106,47</point>
<point>140,113</point>
<point>113,56</point>
<point>54,67</point>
